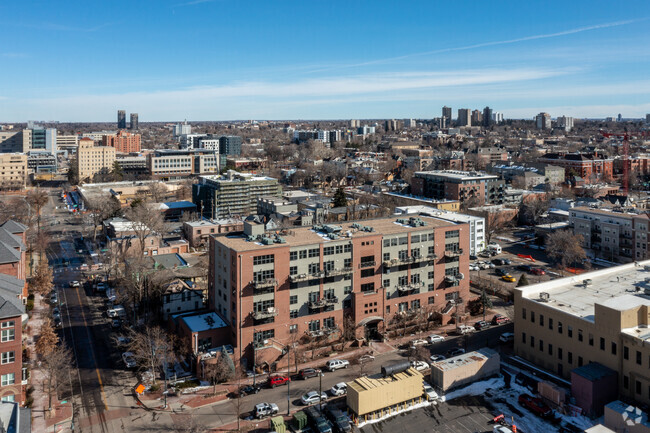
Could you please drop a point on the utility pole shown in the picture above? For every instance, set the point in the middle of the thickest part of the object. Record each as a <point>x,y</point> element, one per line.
<point>289,382</point>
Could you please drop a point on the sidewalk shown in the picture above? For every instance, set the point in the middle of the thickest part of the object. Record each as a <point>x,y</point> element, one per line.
<point>42,419</point>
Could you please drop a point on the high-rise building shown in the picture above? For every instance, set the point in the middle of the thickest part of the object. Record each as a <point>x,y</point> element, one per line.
<point>446,112</point>
<point>464,117</point>
<point>409,123</point>
<point>497,118</point>
<point>232,194</point>
<point>647,118</point>
<point>14,171</point>
<point>487,116</point>
<point>121,119</point>
<point>182,129</point>
<point>390,125</point>
<point>543,121</point>
<point>123,142</point>
<point>15,141</point>
<point>565,123</point>
<point>134,121</point>
<point>44,139</point>
<point>230,145</point>
<point>619,118</point>
<point>477,117</point>
<point>355,123</point>
<point>307,281</point>
<point>92,160</point>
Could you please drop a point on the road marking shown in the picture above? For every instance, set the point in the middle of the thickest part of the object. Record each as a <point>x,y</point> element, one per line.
<point>92,350</point>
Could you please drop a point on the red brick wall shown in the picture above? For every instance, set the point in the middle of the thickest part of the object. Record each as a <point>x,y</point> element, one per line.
<point>16,366</point>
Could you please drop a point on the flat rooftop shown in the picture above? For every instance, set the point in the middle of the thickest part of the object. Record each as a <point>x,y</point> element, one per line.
<point>619,287</point>
<point>309,236</point>
<point>203,322</point>
<point>480,355</point>
<point>457,174</point>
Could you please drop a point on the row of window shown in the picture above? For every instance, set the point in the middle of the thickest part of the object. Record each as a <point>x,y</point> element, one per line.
<point>303,254</point>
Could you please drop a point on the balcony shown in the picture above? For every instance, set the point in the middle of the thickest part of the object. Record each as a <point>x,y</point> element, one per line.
<point>421,259</point>
<point>368,264</point>
<point>331,330</point>
<point>263,284</point>
<point>451,279</point>
<point>265,314</point>
<point>338,271</point>
<point>453,253</point>
<point>409,287</point>
<point>299,277</point>
<point>316,333</point>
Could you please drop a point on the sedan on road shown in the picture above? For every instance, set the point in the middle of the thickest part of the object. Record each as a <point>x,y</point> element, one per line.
<point>75,283</point>
<point>248,390</point>
<point>56,313</point>
<point>54,298</point>
<point>434,338</point>
<point>418,342</point>
<point>509,278</point>
<point>312,397</point>
<point>339,389</point>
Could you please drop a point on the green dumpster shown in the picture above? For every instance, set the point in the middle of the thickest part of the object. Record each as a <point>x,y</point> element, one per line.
<point>277,424</point>
<point>299,420</point>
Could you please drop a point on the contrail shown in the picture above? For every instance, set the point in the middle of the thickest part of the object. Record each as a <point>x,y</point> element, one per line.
<point>490,44</point>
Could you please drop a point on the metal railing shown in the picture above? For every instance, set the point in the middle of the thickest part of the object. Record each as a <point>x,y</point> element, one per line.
<point>269,282</point>
<point>265,314</point>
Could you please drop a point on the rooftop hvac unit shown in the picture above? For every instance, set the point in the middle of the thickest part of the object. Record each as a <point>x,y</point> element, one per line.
<point>544,296</point>
<point>586,282</point>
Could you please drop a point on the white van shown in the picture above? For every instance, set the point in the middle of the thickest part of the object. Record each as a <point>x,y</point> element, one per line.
<point>464,329</point>
<point>494,248</point>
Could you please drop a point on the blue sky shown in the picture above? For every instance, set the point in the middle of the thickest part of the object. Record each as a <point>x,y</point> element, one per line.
<point>313,59</point>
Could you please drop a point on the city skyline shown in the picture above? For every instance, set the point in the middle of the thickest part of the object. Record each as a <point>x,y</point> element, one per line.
<point>352,60</point>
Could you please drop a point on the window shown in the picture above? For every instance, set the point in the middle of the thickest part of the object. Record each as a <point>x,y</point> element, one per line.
<point>569,332</point>
<point>541,320</point>
<point>638,357</point>
<point>579,334</point>
<point>314,325</point>
<point>579,361</point>
<point>9,324</point>
<point>8,379</point>
<point>559,353</point>
<point>550,349</point>
<point>303,254</point>
<point>260,260</point>
<point>386,283</point>
<point>569,357</point>
<point>260,336</point>
<point>638,387</point>
<point>328,251</point>
<point>523,313</point>
<point>347,248</point>
<point>432,300</point>
<point>430,275</point>
<point>367,272</point>
<point>386,242</point>
<point>626,382</point>
<point>8,335</point>
<point>368,287</point>
<point>314,252</point>
<point>293,299</point>
<point>329,323</point>
<point>314,268</point>
<point>293,270</point>
<point>293,329</point>
<point>613,348</point>
<point>8,357</point>
<point>386,256</point>
<point>532,317</point>
<point>550,323</point>
<point>523,338</point>
<point>532,341</point>
<point>367,260</point>
<point>347,290</point>
<point>264,275</point>
<point>293,314</point>
<point>626,352</point>
<point>10,398</point>
<point>602,343</point>
<point>559,327</point>
<point>541,345</point>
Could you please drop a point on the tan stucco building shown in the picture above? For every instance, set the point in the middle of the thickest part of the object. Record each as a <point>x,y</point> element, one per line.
<point>601,316</point>
<point>13,170</point>
<point>92,159</point>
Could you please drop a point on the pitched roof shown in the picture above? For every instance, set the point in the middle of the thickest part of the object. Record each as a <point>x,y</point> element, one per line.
<point>11,240</point>
<point>11,285</point>
<point>14,227</point>
<point>8,254</point>
<point>10,307</point>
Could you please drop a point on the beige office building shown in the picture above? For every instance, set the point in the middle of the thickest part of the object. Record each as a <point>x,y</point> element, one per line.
<point>600,316</point>
<point>13,171</point>
<point>15,141</point>
<point>92,159</point>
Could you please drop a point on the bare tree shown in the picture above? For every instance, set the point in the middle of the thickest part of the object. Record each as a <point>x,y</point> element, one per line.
<point>101,209</point>
<point>55,366</point>
<point>153,347</point>
<point>349,328</point>
<point>496,222</point>
<point>47,339</point>
<point>157,191</point>
<point>565,248</point>
<point>219,369</point>
<point>37,198</point>
<point>42,281</point>
<point>146,220</point>
<point>532,210</point>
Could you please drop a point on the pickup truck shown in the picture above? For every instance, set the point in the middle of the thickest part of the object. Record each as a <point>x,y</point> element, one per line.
<point>535,405</point>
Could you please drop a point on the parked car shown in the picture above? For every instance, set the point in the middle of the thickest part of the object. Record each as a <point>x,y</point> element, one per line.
<point>116,311</point>
<point>507,261</point>
<point>129,360</point>
<point>436,358</point>
<point>498,319</point>
<point>419,365</point>
<point>339,389</point>
<point>318,421</point>
<point>535,405</point>
<point>537,271</point>
<point>312,397</point>
<point>507,337</point>
<point>498,262</point>
<point>338,418</point>
<point>474,267</point>
<point>278,380</point>
<point>123,341</point>
<point>335,364</point>
<point>75,284</point>
<point>306,373</point>
<point>430,393</point>
<point>365,358</point>
<point>455,352</point>
<point>418,342</point>
<point>116,323</point>
<point>501,272</point>
<point>248,390</point>
<point>509,278</point>
<point>464,329</point>
<point>481,324</point>
<point>473,257</point>
<point>54,298</point>
<point>56,313</point>
<point>57,322</point>
<point>524,268</point>
<point>434,338</point>
<point>265,409</point>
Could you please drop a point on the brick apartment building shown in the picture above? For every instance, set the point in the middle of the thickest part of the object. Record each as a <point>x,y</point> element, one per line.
<point>589,167</point>
<point>13,292</point>
<point>275,289</point>
<point>458,185</point>
<point>122,141</point>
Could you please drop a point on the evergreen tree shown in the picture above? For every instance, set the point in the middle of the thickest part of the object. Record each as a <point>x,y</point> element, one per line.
<point>339,198</point>
<point>523,281</point>
<point>486,302</point>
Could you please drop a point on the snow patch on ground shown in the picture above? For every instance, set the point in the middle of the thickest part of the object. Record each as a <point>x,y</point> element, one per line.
<point>475,388</point>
